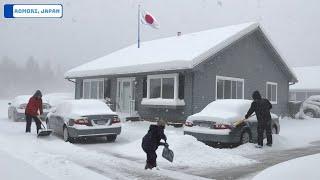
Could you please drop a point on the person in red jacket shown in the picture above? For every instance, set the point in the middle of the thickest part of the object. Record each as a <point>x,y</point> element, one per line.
<point>33,108</point>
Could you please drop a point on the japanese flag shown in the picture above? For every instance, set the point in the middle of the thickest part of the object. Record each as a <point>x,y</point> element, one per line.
<point>148,19</point>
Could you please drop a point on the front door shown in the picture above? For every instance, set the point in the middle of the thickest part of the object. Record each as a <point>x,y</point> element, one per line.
<point>125,95</point>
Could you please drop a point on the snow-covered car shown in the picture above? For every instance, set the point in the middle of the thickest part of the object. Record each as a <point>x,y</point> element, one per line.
<point>74,119</point>
<point>56,98</point>
<point>17,107</point>
<point>214,124</point>
<point>310,108</point>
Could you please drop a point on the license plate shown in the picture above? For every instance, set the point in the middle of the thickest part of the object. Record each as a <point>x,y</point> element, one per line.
<point>101,122</point>
<point>204,125</point>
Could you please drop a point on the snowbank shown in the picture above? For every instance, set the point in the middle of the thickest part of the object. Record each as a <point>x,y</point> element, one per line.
<point>188,151</point>
<point>301,168</point>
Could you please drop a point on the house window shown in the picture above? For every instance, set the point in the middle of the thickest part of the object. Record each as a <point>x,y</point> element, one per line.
<point>155,88</point>
<point>272,92</point>
<point>229,88</point>
<point>163,90</point>
<point>93,88</point>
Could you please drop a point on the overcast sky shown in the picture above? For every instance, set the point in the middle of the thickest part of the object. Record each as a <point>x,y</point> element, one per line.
<point>93,28</point>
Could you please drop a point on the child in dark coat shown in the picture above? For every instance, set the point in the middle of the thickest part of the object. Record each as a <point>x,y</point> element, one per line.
<point>151,142</point>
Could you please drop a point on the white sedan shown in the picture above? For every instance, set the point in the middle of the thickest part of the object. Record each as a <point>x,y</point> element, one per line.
<point>74,119</point>
<point>214,124</point>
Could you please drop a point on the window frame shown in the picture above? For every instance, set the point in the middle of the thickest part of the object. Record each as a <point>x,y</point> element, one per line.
<point>224,78</point>
<point>270,99</point>
<point>98,80</point>
<point>175,76</point>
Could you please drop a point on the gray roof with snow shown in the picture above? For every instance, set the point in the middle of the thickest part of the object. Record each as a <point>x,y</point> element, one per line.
<point>172,53</point>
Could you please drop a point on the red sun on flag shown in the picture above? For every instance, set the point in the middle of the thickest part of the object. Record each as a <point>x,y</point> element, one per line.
<point>148,19</point>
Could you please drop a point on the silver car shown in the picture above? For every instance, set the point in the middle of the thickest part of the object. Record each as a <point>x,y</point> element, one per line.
<point>214,124</point>
<point>17,108</point>
<point>76,119</point>
<point>310,108</point>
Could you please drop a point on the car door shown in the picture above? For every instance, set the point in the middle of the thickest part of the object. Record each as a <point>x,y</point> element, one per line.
<point>51,121</point>
<point>253,125</point>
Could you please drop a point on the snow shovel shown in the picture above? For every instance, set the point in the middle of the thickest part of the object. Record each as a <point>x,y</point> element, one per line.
<point>45,131</point>
<point>237,123</point>
<point>167,153</point>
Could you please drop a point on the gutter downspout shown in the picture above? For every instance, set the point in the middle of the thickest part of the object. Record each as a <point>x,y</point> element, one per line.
<point>71,80</point>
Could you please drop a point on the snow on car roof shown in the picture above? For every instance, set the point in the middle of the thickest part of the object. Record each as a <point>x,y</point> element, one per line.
<point>23,99</point>
<point>183,52</point>
<point>56,98</point>
<point>83,107</point>
<point>225,111</point>
<point>306,77</point>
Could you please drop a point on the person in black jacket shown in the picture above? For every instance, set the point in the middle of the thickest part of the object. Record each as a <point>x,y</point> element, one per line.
<point>151,142</point>
<point>262,109</point>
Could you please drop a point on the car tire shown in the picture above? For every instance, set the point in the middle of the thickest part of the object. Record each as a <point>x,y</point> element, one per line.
<point>14,116</point>
<point>245,137</point>
<point>47,123</point>
<point>111,138</point>
<point>9,116</point>
<point>66,136</point>
<point>310,113</point>
<point>274,129</point>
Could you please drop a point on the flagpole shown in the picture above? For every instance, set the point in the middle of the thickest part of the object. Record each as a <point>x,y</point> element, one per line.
<point>139,26</point>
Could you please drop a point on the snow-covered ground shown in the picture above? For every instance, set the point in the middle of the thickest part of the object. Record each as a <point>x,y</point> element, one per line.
<point>301,168</point>
<point>10,165</point>
<point>53,158</point>
<point>56,159</point>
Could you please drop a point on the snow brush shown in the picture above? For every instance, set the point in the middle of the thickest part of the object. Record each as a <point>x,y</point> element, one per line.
<point>237,123</point>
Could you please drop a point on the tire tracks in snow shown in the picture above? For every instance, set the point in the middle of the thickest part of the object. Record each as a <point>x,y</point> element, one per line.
<point>265,160</point>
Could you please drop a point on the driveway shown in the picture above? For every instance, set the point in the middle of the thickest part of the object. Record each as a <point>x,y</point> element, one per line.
<point>265,160</point>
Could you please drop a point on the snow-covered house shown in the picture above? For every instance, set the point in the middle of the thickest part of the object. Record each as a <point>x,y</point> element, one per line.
<point>174,77</point>
<point>308,84</point>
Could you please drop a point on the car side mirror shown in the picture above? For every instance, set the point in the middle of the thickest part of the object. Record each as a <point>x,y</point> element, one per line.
<point>9,103</point>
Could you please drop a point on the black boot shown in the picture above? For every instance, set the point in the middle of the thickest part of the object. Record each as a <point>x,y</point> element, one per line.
<point>148,166</point>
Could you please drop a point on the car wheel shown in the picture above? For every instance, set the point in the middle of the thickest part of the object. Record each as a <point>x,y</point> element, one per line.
<point>310,113</point>
<point>9,117</point>
<point>245,137</point>
<point>111,138</point>
<point>66,136</point>
<point>47,123</point>
<point>14,116</point>
<point>274,130</point>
